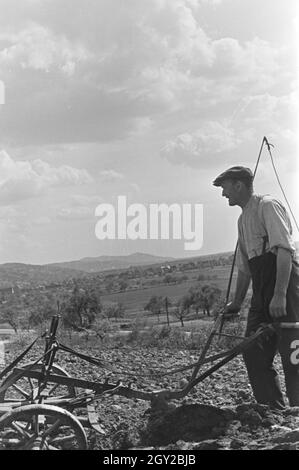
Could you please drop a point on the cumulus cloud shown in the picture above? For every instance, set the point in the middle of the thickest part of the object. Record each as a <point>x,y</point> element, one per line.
<point>88,74</point>
<point>75,213</point>
<point>254,116</point>
<point>110,175</point>
<point>79,206</point>
<point>24,179</point>
<point>8,212</point>
<point>277,116</point>
<point>256,57</point>
<point>40,221</point>
<point>135,187</point>
<point>202,146</point>
<point>270,107</point>
<point>85,200</point>
<point>38,49</point>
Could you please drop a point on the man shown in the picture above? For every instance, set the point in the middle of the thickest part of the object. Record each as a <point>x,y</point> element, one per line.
<point>266,256</point>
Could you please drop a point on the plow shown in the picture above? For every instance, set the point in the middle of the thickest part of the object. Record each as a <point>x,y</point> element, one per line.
<point>42,407</point>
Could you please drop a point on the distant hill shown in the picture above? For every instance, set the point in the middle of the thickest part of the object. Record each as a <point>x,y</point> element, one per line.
<point>26,275</point>
<point>29,275</point>
<point>106,263</point>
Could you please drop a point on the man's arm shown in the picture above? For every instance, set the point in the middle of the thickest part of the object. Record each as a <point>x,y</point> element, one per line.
<point>277,305</point>
<point>243,281</point>
<point>279,230</point>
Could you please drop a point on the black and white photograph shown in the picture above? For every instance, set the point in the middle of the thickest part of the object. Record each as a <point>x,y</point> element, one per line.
<point>149,228</point>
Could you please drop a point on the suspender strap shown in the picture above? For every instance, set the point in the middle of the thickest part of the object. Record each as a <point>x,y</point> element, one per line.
<point>265,240</point>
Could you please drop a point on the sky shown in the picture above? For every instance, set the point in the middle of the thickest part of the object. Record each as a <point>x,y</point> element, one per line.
<point>148,99</point>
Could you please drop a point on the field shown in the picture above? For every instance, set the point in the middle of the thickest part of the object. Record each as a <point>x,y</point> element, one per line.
<point>134,300</point>
<point>219,413</point>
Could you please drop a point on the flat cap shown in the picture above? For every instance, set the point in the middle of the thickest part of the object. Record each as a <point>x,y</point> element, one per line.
<point>234,173</point>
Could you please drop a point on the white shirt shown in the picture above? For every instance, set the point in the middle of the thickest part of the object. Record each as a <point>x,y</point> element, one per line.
<point>262,216</point>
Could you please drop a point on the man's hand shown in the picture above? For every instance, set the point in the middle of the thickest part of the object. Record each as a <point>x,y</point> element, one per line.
<point>277,307</point>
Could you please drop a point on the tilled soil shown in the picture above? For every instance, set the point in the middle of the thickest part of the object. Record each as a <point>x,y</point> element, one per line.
<point>219,414</point>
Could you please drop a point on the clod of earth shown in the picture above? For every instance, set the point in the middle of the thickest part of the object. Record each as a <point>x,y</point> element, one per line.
<point>289,436</point>
<point>188,422</point>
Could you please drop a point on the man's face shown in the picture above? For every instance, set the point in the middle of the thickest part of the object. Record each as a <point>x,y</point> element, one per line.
<point>230,191</point>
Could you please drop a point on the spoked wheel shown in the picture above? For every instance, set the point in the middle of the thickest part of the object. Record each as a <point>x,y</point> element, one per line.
<point>18,388</point>
<point>41,427</point>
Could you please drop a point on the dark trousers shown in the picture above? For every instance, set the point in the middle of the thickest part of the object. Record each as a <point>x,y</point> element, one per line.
<point>259,358</point>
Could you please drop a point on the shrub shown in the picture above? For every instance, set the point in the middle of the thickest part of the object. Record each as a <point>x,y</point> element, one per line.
<point>22,340</point>
<point>199,336</point>
<point>236,327</point>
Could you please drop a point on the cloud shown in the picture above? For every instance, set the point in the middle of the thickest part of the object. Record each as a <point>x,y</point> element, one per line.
<point>24,179</point>
<point>8,212</point>
<point>79,207</point>
<point>110,175</point>
<point>135,187</point>
<point>41,221</point>
<point>75,213</point>
<point>84,200</point>
<point>37,48</point>
<point>270,107</point>
<point>78,74</point>
<point>199,148</point>
<point>276,115</point>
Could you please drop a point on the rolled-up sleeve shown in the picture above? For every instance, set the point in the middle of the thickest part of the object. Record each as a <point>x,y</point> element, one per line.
<point>278,226</point>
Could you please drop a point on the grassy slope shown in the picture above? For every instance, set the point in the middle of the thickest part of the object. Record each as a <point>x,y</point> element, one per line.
<point>134,300</point>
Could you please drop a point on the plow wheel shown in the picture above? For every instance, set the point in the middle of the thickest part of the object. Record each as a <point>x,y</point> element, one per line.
<point>41,427</point>
<point>18,388</point>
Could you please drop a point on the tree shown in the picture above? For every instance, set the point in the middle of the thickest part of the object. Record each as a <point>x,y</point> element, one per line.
<point>209,295</point>
<point>183,308</point>
<point>204,297</point>
<point>168,279</point>
<point>40,309</point>
<point>81,309</point>
<point>123,285</point>
<point>36,317</point>
<point>167,304</point>
<point>114,310</point>
<point>109,286</point>
<point>10,314</point>
<point>196,298</point>
<point>155,305</point>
